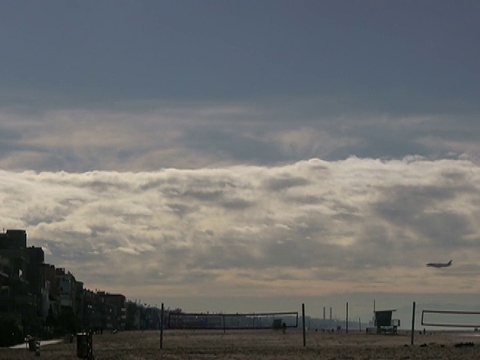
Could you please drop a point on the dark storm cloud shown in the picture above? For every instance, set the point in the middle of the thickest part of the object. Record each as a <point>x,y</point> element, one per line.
<point>406,57</point>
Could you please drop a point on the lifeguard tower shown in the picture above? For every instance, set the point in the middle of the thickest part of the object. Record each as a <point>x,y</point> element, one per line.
<point>384,322</point>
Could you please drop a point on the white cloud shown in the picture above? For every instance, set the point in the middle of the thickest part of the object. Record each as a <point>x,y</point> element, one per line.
<point>350,225</point>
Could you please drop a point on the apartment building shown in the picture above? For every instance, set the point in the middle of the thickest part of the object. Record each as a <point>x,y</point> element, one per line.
<point>41,298</point>
<point>18,298</point>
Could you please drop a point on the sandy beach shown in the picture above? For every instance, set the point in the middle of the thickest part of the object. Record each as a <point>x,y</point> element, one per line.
<point>263,344</point>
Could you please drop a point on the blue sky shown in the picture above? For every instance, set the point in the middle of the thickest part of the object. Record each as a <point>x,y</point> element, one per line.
<point>187,145</point>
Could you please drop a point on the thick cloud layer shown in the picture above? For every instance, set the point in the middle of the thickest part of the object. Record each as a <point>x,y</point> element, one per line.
<point>150,136</point>
<point>314,227</point>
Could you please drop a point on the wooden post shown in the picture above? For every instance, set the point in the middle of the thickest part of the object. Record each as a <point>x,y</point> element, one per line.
<point>303,322</point>
<point>412,340</point>
<point>162,311</point>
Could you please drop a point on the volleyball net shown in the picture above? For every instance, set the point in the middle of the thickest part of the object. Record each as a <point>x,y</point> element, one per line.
<point>451,318</point>
<point>238,321</point>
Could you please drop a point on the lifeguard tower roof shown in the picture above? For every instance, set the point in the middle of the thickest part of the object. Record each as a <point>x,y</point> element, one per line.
<point>383,317</point>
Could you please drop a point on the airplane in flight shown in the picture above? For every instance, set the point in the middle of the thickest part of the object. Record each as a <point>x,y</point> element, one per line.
<point>439,265</point>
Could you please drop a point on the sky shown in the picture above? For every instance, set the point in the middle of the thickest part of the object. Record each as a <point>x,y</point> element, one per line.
<point>245,155</point>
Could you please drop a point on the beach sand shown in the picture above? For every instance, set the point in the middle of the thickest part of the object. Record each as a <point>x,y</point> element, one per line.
<point>263,344</point>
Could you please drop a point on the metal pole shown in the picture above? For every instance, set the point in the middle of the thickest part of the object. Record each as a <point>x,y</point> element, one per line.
<point>304,331</point>
<point>161,326</point>
<point>90,345</point>
<point>346,317</point>
<point>412,340</point>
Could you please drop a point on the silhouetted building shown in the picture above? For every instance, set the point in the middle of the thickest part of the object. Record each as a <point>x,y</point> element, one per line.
<point>115,310</point>
<point>18,299</point>
<point>42,299</point>
<point>67,288</point>
<point>50,294</point>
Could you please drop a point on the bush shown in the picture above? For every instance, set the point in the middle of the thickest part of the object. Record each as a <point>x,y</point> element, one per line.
<point>10,333</point>
<point>67,322</point>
